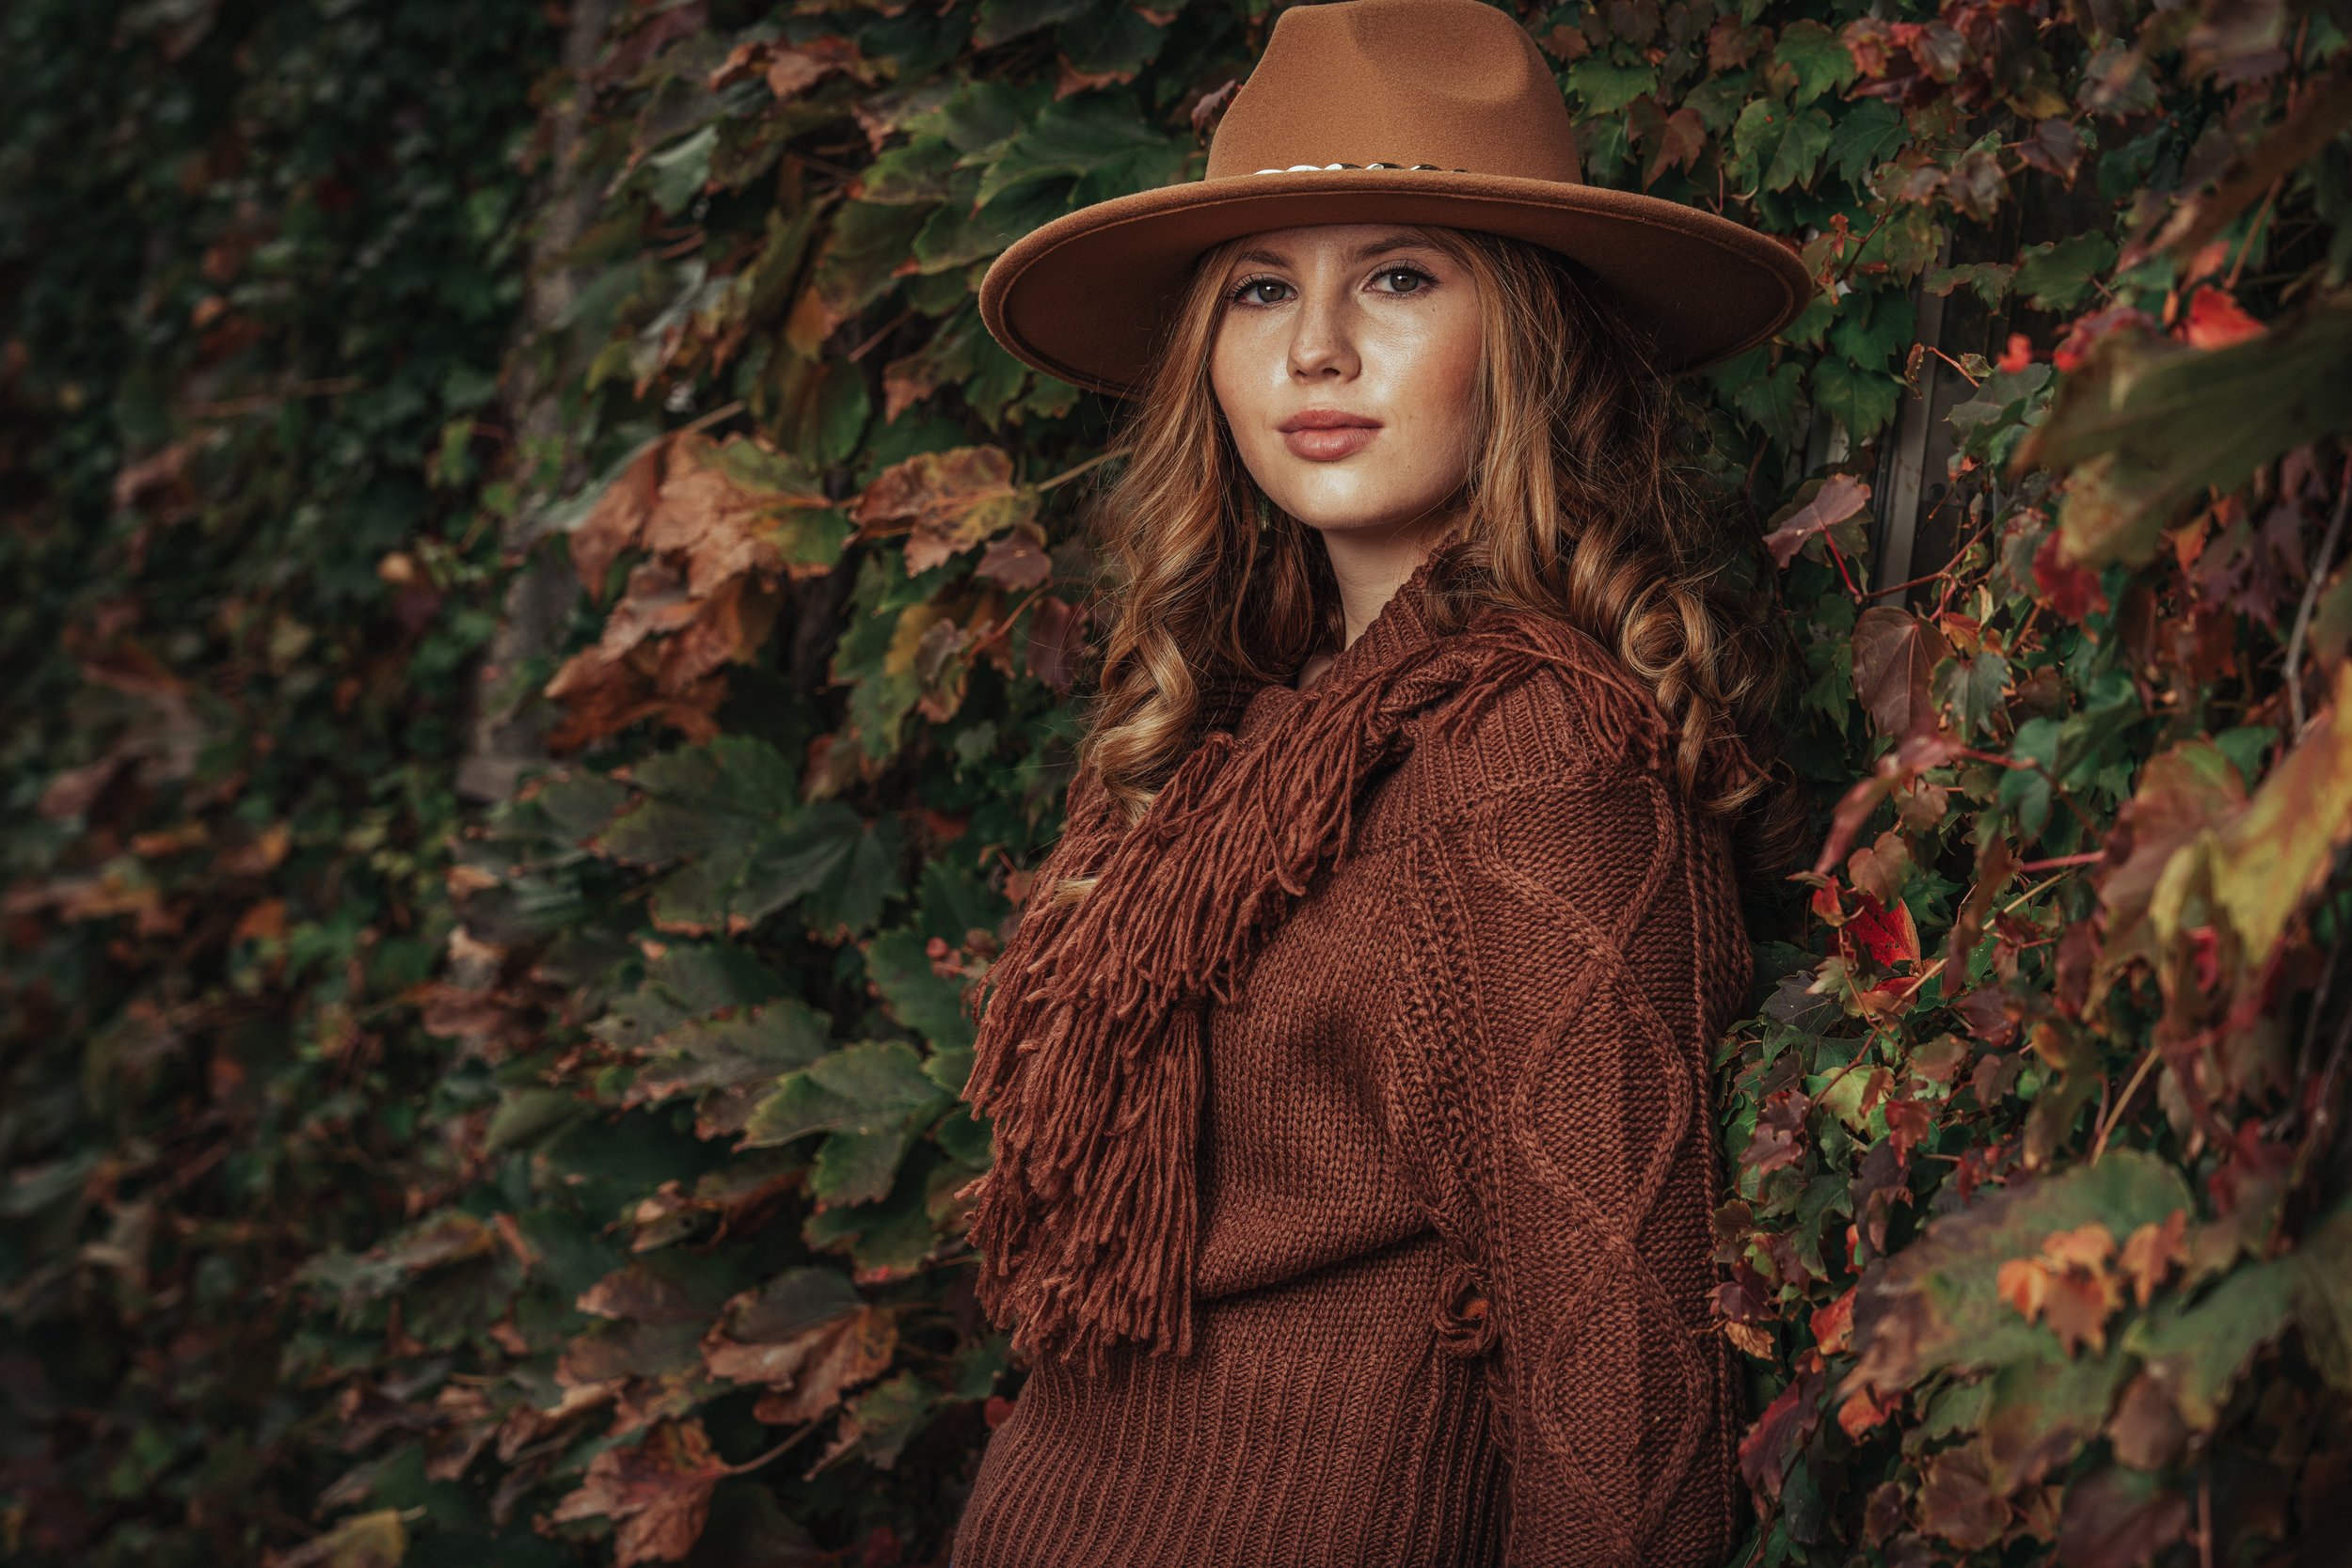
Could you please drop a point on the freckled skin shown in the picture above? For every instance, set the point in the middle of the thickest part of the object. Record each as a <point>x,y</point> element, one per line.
<point>1369,320</point>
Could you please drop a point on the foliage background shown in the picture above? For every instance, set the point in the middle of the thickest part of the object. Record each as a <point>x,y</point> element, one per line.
<point>540,634</point>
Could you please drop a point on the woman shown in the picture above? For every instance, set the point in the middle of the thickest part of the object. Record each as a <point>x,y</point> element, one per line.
<point>1349,1067</point>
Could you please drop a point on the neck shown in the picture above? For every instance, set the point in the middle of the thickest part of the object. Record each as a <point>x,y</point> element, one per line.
<point>1371,563</point>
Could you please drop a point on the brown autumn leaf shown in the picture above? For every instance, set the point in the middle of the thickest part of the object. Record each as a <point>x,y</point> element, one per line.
<point>2068,1284</point>
<point>790,69</point>
<point>1894,653</point>
<point>1056,641</point>
<point>636,1293</point>
<point>1840,496</point>
<point>1957,1500</point>
<point>714,510</point>
<point>807,1335</point>
<point>613,524</point>
<point>1013,560</point>
<point>1681,137</point>
<point>1863,1411</point>
<point>945,503</point>
<point>2146,1429</point>
<point>158,483</point>
<point>725,508</point>
<point>373,1540</point>
<point>658,1492</point>
<point>739,1196</point>
<point>2153,1251</point>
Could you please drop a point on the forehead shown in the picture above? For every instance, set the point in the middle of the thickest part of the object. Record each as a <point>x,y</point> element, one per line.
<point>1341,242</point>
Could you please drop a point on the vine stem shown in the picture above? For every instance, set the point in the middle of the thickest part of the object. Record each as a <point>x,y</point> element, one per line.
<point>2115,1111</point>
<point>772,1454</point>
<point>1068,474</point>
<point>724,411</point>
<point>2086,858</point>
<point>2320,562</point>
<point>1006,625</point>
<point>1840,556</point>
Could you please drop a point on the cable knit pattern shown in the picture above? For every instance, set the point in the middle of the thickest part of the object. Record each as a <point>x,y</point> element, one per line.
<point>1453,1184</point>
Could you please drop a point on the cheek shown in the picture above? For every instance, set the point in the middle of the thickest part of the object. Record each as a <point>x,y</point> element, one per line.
<point>1445,375</point>
<point>1248,377</point>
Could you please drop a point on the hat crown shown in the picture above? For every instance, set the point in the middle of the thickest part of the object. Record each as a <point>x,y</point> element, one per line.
<point>1451,84</point>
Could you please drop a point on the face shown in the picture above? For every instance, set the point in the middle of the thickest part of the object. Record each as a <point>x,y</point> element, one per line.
<point>1347,362</point>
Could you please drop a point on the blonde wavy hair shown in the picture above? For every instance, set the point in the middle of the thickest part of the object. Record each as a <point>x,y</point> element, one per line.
<point>1579,503</point>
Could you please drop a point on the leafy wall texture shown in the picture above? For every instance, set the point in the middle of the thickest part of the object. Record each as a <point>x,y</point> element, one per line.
<point>396,1177</point>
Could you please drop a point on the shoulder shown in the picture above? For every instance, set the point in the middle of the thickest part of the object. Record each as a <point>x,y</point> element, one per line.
<point>1541,706</point>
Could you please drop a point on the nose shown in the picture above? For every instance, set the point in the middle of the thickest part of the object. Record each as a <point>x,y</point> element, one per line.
<point>1323,345</point>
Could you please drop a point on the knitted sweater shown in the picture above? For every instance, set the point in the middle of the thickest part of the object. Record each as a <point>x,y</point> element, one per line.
<point>1448,1289</point>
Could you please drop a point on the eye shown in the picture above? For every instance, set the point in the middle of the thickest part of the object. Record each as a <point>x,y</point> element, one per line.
<point>1247,292</point>
<point>1403,280</point>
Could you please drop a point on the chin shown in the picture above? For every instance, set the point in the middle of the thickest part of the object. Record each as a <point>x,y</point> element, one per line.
<point>1349,512</point>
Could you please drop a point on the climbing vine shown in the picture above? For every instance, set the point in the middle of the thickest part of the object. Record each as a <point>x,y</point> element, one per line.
<point>404,1169</point>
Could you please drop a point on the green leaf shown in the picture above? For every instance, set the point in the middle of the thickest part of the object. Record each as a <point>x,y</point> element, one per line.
<point>1779,147</point>
<point>1862,400</point>
<point>2149,426</point>
<point>1936,1306</point>
<point>1099,143</point>
<point>1971,689</point>
<point>1774,401</point>
<point>1990,280</point>
<point>748,1048</point>
<point>872,1087</point>
<point>2197,1354</point>
<point>1601,86</point>
<point>1873,328</point>
<point>1001,21</point>
<point>1114,38</point>
<point>859,1168</point>
<point>2058,275</point>
<point>1818,57</point>
<point>933,1007</point>
<point>676,175</point>
<point>1865,136</point>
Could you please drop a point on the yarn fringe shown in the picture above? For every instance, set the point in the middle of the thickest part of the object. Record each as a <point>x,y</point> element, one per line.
<point>1090,1055</point>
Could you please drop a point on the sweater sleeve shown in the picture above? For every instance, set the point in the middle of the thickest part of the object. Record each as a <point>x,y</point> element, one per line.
<point>1577,946</point>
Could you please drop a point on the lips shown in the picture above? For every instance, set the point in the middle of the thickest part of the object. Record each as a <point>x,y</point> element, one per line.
<point>1328,434</point>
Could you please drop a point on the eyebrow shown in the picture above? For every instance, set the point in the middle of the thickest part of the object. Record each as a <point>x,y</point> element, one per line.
<point>1362,253</point>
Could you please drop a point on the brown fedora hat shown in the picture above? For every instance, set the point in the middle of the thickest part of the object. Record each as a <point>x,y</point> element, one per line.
<point>1437,112</point>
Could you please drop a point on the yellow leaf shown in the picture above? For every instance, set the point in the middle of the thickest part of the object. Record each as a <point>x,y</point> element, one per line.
<point>2275,855</point>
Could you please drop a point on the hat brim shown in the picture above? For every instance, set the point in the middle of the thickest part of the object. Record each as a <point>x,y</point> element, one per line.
<point>1084,296</point>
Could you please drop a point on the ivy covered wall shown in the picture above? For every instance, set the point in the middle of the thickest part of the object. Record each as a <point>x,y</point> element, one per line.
<point>542,635</point>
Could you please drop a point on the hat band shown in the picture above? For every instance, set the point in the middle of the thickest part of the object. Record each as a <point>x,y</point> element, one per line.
<point>1317,168</point>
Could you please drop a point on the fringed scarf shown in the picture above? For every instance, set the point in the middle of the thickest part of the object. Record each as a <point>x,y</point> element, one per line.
<point>1090,1049</point>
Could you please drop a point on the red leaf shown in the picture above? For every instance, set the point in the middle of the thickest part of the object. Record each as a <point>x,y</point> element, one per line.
<point>1680,140</point>
<point>1840,497</point>
<point>1770,1444</point>
<point>1893,653</point>
<point>2216,320</point>
<point>1833,1325</point>
<point>2070,591</point>
<point>1888,936</point>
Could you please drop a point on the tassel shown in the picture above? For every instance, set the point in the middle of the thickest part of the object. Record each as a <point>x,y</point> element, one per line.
<point>1090,1055</point>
